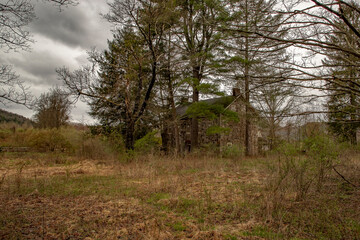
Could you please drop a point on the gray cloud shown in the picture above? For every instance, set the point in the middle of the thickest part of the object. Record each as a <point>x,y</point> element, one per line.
<point>80,26</point>
<point>40,65</point>
<point>61,39</point>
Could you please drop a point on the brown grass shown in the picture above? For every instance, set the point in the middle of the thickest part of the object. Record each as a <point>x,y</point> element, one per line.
<point>157,197</point>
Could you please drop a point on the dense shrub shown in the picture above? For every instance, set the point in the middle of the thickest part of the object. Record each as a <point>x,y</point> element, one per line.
<point>149,143</point>
<point>49,140</point>
<point>69,139</point>
<point>115,141</point>
<point>305,168</point>
<point>232,151</point>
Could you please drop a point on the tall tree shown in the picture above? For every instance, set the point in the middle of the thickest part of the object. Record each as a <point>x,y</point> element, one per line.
<point>123,75</point>
<point>116,92</point>
<point>252,60</point>
<point>276,102</point>
<point>198,37</point>
<point>168,89</point>
<point>343,103</point>
<point>129,70</point>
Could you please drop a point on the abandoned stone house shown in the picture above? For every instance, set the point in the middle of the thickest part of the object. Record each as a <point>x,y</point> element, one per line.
<point>234,137</point>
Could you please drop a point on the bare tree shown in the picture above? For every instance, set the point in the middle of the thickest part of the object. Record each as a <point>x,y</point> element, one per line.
<point>15,15</point>
<point>318,30</point>
<point>254,61</point>
<point>311,26</point>
<point>12,89</point>
<point>329,31</point>
<point>275,102</point>
<point>52,109</point>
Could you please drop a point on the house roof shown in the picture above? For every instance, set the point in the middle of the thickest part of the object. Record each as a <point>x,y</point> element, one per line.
<point>225,101</point>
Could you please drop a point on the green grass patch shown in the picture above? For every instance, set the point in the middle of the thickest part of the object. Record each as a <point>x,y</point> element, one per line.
<point>230,237</point>
<point>264,232</point>
<point>324,222</point>
<point>155,197</point>
<point>74,186</point>
<point>185,205</point>
<point>191,170</point>
<point>178,226</point>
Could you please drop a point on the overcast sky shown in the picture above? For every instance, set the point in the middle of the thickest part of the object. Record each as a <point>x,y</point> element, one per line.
<point>62,38</point>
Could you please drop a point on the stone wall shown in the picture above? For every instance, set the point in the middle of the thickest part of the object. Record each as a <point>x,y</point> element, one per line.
<point>204,138</point>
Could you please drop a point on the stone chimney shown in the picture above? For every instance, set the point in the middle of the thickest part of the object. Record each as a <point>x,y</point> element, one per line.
<point>236,92</point>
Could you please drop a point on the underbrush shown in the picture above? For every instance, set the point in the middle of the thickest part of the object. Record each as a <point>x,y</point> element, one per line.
<point>312,191</point>
<point>294,193</point>
<point>68,141</point>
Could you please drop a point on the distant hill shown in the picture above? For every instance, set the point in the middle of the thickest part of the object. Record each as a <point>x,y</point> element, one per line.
<point>6,117</point>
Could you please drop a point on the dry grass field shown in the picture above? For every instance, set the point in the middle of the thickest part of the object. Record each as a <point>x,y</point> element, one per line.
<point>54,196</point>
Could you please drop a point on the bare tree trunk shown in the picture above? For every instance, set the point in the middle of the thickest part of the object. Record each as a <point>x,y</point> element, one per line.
<point>354,106</point>
<point>194,120</point>
<point>165,137</point>
<point>247,114</point>
<point>129,135</point>
<point>247,93</point>
<point>171,99</point>
<point>272,133</point>
<point>176,132</point>
<point>173,114</point>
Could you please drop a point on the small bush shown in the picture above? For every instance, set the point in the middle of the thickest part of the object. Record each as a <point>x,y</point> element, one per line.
<point>93,147</point>
<point>4,134</point>
<point>232,151</point>
<point>323,153</point>
<point>115,140</point>
<point>306,168</point>
<point>149,143</point>
<point>209,149</point>
<point>14,135</point>
<point>49,140</point>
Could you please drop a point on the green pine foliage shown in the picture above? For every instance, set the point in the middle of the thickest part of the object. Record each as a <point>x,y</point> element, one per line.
<point>203,109</point>
<point>343,88</point>
<point>340,122</point>
<point>150,142</point>
<point>213,111</point>
<point>217,130</point>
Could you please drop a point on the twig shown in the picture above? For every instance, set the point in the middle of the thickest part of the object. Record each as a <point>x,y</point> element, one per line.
<point>43,221</point>
<point>345,178</point>
<point>3,178</point>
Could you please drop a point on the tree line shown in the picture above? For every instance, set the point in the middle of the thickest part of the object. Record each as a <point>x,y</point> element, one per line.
<point>280,54</point>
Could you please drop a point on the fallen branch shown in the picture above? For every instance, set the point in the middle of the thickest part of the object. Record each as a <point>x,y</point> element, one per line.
<point>342,176</point>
